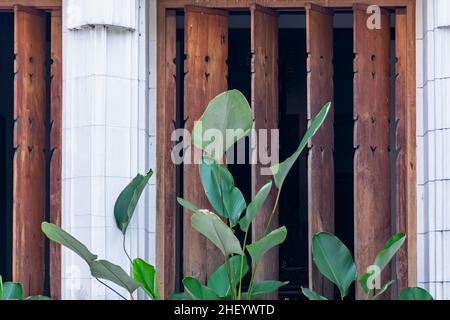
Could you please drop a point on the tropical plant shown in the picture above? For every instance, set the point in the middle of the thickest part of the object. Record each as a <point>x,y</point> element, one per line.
<point>14,291</point>
<point>143,274</point>
<point>231,111</point>
<point>335,262</point>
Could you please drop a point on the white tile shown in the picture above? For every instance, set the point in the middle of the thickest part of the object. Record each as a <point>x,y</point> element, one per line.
<point>119,102</point>
<point>430,203</point>
<point>420,127</point>
<point>420,63</point>
<point>118,147</point>
<point>80,197</point>
<point>429,56</point>
<point>421,160</point>
<point>419,19</point>
<point>81,152</point>
<point>421,209</point>
<point>422,258</point>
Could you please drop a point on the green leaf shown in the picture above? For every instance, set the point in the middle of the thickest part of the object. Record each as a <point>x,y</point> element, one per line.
<point>145,275</point>
<point>127,201</point>
<point>311,295</point>
<point>60,236</point>
<point>383,290</point>
<point>281,170</point>
<point>103,269</point>
<point>180,296</point>
<point>383,258</point>
<point>415,294</point>
<point>99,269</point>
<point>228,111</point>
<point>218,183</point>
<point>198,291</point>
<point>1,288</point>
<point>214,229</point>
<point>261,247</point>
<point>264,288</point>
<point>254,207</point>
<point>12,291</point>
<point>39,298</point>
<point>334,261</point>
<point>219,281</point>
<point>187,205</point>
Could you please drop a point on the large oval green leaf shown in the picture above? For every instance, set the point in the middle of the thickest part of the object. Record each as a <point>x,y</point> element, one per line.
<point>145,275</point>
<point>128,199</point>
<point>228,111</point>
<point>311,295</point>
<point>261,247</point>
<point>281,170</point>
<point>214,229</point>
<point>218,183</point>
<point>334,261</point>
<point>12,291</point>
<point>219,281</point>
<point>198,291</point>
<point>383,258</point>
<point>254,207</point>
<point>415,294</point>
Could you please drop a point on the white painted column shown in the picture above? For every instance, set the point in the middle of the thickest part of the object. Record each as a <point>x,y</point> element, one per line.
<point>433,146</point>
<point>108,134</point>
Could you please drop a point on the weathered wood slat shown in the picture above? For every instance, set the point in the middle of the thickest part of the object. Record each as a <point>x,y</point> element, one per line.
<point>166,244</point>
<point>29,141</point>
<point>401,141</point>
<point>56,147</point>
<point>319,34</point>
<point>371,139</point>
<point>264,47</point>
<point>206,70</point>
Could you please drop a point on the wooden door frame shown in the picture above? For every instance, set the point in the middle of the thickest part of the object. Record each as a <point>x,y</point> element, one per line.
<point>166,251</point>
<point>54,7</point>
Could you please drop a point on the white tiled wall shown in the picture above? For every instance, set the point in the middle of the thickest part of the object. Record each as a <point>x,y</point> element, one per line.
<point>433,146</point>
<point>109,112</point>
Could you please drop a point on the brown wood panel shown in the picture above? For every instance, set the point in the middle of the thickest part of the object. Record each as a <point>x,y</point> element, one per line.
<point>166,220</point>
<point>29,141</point>
<point>206,70</point>
<point>56,147</point>
<point>319,35</point>
<point>264,48</point>
<point>41,4</point>
<point>371,139</point>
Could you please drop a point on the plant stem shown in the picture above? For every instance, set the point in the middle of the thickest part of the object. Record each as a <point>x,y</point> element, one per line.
<point>242,266</point>
<point>125,250</point>
<point>227,266</point>
<point>252,281</point>
<point>103,283</point>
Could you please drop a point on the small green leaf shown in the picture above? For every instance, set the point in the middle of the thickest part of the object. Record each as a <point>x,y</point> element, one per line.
<point>198,291</point>
<point>219,281</point>
<point>218,183</point>
<point>145,275</point>
<point>228,111</point>
<point>383,290</point>
<point>311,295</point>
<point>214,229</point>
<point>264,288</point>
<point>12,291</point>
<point>415,294</point>
<point>254,207</point>
<point>103,269</point>
<point>334,261</point>
<point>60,236</point>
<point>180,296</point>
<point>281,170</point>
<point>261,247</point>
<point>39,298</point>
<point>128,199</point>
<point>383,258</point>
<point>187,205</point>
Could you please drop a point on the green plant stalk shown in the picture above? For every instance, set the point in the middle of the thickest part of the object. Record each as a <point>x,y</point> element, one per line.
<point>110,288</point>
<point>125,250</point>
<point>266,232</point>
<point>242,266</point>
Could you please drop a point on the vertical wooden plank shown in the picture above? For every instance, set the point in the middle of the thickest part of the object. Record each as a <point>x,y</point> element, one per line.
<point>319,35</point>
<point>29,142</point>
<point>371,139</point>
<point>264,48</point>
<point>166,223</point>
<point>206,70</point>
<point>401,141</point>
<point>56,147</point>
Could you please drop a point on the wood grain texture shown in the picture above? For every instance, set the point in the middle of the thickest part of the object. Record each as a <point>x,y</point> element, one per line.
<point>319,35</point>
<point>38,4</point>
<point>371,139</point>
<point>56,147</point>
<point>206,71</point>
<point>29,142</point>
<point>264,48</point>
<point>166,191</point>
